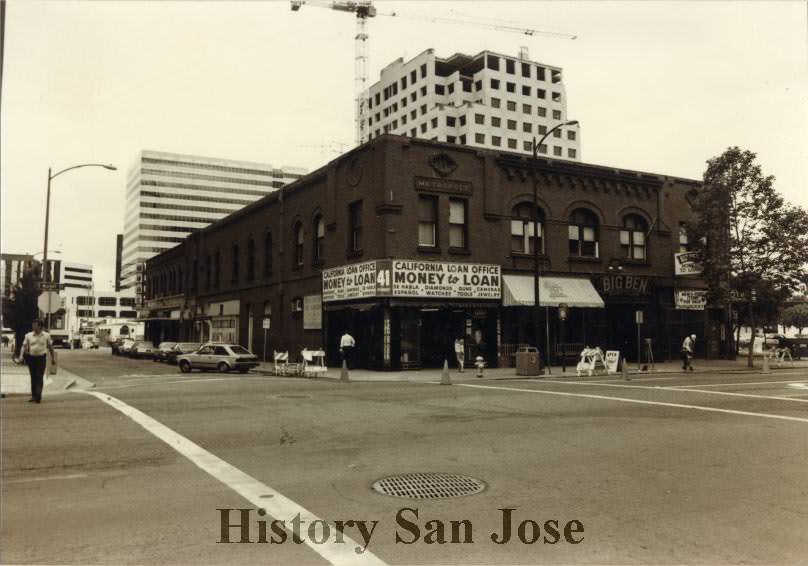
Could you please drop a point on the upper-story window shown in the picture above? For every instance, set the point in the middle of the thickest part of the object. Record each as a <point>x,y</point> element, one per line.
<point>355,222</point>
<point>458,224</point>
<point>299,241</point>
<point>684,241</point>
<point>217,269</point>
<point>632,237</point>
<point>523,233</point>
<point>208,271</point>
<point>268,253</point>
<point>319,238</point>
<point>235,259</point>
<point>250,259</point>
<point>583,233</point>
<point>428,221</point>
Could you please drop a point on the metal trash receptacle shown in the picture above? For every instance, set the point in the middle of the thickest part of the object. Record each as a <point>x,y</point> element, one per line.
<point>528,361</point>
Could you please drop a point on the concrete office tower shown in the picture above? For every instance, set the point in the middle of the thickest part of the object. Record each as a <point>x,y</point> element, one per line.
<point>170,195</point>
<point>76,275</point>
<point>486,100</point>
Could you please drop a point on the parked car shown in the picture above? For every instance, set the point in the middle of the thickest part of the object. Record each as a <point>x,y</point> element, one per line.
<point>221,357</point>
<point>182,348</point>
<point>142,349</point>
<point>161,352</point>
<point>126,347</point>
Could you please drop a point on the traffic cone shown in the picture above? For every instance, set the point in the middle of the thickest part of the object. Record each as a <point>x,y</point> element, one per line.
<point>343,374</point>
<point>444,375</point>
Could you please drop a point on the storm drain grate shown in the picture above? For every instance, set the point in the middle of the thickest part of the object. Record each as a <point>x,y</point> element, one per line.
<point>428,485</point>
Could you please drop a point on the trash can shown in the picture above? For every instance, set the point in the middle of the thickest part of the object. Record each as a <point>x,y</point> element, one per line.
<point>528,361</point>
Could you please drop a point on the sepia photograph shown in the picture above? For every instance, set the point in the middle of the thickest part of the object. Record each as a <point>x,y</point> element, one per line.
<point>381,282</point>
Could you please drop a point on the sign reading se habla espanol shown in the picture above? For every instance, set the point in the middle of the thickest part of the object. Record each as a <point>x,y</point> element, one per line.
<point>412,278</point>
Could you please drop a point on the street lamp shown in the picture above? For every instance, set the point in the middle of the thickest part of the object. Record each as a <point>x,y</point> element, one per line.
<point>536,234</point>
<point>52,176</point>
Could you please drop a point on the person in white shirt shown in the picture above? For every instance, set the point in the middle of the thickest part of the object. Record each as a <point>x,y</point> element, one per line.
<point>688,347</point>
<point>35,349</point>
<point>346,347</point>
<point>460,352</point>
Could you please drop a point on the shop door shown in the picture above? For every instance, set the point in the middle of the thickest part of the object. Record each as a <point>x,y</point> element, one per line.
<point>410,341</point>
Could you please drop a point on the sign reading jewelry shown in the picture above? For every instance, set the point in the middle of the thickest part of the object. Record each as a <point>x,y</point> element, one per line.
<point>412,278</point>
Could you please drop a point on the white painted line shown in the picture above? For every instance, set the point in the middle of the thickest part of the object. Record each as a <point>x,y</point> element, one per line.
<point>277,505</point>
<point>679,388</point>
<point>47,478</point>
<point>735,383</point>
<point>639,402</point>
<point>798,385</point>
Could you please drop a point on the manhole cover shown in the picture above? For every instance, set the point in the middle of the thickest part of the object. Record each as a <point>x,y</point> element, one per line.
<point>428,485</point>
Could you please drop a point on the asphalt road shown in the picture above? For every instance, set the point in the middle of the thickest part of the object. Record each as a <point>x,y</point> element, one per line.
<point>707,468</point>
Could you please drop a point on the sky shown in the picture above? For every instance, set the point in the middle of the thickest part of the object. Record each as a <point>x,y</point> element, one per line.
<point>657,86</point>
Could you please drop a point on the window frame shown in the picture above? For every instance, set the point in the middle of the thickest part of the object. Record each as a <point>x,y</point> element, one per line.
<point>423,221</point>
<point>463,225</point>
<point>577,245</point>
<point>522,214</point>
<point>633,237</point>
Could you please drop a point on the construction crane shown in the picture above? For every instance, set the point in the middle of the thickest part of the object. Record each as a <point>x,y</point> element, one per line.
<point>365,9</point>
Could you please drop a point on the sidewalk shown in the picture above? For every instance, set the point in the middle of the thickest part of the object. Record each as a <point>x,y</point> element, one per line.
<point>15,379</point>
<point>434,374</point>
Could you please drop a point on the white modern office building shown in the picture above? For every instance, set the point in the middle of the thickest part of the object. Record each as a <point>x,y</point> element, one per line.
<point>76,275</point>
<point>170,195</point>
<point>485,100</point>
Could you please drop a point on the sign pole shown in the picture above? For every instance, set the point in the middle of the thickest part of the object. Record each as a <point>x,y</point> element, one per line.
<point>638,316</point>
<point>265,345</point>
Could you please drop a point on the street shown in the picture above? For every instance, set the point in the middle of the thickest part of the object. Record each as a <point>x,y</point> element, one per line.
<point>673,468</point>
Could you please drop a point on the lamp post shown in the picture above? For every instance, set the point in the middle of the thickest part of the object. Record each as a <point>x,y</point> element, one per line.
<point>536,233</point>
<point>45,266</point>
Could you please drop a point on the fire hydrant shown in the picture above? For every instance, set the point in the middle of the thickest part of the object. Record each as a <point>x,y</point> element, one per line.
<point>479,363</point>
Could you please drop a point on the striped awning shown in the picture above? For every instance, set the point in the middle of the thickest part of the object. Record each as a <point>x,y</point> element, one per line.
<point>517,290</point>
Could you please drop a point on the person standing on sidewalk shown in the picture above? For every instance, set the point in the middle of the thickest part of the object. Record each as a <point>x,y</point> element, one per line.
<point>460,352</point>
<point>688,347</point>
<point>35,348</point>
<point>346,346</point>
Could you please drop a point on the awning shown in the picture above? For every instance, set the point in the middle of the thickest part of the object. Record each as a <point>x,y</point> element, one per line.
<point>517,290</point>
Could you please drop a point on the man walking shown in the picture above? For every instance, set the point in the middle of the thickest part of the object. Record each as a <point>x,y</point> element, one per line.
<point>688,347</point>
<point>35,348</point>
<point>460,352</point>
<point>346,346</point>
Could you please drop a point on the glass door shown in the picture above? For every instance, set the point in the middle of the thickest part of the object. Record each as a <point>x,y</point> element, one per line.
<point>410,340</point>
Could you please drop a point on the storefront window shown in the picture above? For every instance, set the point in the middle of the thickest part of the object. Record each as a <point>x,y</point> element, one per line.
<point>583,233</point>
<point>632,237</point>
<point>428,221</point>
<point>522,229</point>
<point>457,224</point>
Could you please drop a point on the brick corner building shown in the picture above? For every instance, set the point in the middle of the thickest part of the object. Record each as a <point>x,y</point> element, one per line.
<point>409,244</point>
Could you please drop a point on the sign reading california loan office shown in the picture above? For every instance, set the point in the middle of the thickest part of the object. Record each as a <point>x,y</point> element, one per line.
<point>412,278</point>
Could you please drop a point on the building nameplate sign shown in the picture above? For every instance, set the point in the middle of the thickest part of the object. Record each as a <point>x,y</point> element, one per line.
<point>687,263</point>
<point>624,285</point>
<point>412,278</point>
<point>690,299</point>
<point>443,185</point>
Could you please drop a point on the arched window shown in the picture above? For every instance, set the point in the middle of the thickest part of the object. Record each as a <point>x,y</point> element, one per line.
<point>268,254</point>
<point>250,259</point>
<point>298,244</point>
<point>522,229</point>
<point>583,233</point>
<point>632,237</point>
<point>235,258</point>
<point>319,238</point>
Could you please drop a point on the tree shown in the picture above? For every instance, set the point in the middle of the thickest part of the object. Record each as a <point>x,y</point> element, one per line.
<point>796,315</point>
<point>21,307</point>
<point>749,237</point>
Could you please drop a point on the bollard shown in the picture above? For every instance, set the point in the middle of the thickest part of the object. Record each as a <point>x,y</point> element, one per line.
<point>479,362</point>
<point>444,375</point>
<point>343,375</point>
<point>765,363</point>
<point>625,371</point>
